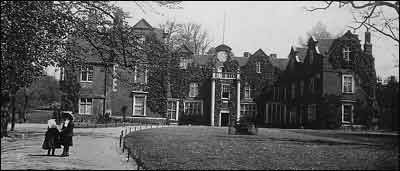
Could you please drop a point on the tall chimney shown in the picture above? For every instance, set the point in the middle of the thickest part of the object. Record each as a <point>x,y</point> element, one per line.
<point>367,43</point>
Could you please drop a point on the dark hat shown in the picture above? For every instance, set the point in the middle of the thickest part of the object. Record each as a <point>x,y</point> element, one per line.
<point>68,114</point>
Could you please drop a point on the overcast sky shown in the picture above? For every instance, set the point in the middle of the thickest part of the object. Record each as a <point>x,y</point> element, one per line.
<point>272,26</point>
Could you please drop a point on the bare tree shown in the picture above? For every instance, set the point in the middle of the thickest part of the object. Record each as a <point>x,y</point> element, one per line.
<point>379,16</point>
<point>189,34</point>
<point>319,31</point>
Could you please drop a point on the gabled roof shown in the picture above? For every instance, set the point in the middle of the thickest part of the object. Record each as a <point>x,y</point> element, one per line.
<point>142,24</point>
<point>300,54</point>
<point>259,52</point>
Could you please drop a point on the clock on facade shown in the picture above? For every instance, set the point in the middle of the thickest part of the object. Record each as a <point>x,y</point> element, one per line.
<point>222,56</point>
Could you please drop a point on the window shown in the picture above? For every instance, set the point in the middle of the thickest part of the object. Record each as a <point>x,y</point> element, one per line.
<point>139,105</point>
<point>184,62</point>
<point>311,85</point>
<point>348,84</point>
<point>258,67</point>
<point>193,89</point>
<point>346,54</point>
<point>269,75</point>
<point>293,91</point>
<point>62,74</point>
<point>140,75</point>
<point>85,106</point>
<point>87,74</point>
<point>248,109</point>
<point>193,107</point>
<point>347,113</point>
<point>172,109</point>
<point>141,39</point>
<point>247,92</point>
<point>311,112</point>
<point>226,91</point>
<point>301,87</point>
<point>284,93</point>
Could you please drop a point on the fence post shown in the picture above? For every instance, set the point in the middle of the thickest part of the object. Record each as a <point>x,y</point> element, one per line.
<point>129,152</point>
<point>120,139</point>
<point>130,129</point>
<point>123,146</point>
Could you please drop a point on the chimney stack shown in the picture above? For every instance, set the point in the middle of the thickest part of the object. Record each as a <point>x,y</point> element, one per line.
<point>273,55</point>
<point>246,54</point>
<point>367,43</point>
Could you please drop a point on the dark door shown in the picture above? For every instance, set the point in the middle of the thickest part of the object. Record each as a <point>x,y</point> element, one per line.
<point>224,119</point>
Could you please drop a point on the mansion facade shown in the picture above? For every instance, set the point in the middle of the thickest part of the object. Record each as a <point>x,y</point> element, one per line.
<point>214,89</point>
<point>327,83</point>
<point>330,83</point>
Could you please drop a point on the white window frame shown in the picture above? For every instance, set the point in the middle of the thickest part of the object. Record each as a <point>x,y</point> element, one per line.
<point>134,105</point>
<point>352,83</point>
<point>86,104</point>
<point>311,112</point>
<point>135,78</point>
<point>243,108</point>
<point>88,70</point>
<point>222,91</point>
<point>247,92</point>
<point>193,101</point>
<point>193,89</point>
<point>176,110</point>
<point>346,53</point>
<point>62,73</point>
<point>351,114</point>
<point>258,67</point>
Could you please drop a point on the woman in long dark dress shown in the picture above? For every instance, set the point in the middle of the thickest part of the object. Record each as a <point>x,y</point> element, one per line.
<point>67,133</point>
<point>51,140</point>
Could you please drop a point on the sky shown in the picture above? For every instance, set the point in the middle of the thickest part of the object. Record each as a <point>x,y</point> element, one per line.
<point>272,26</point>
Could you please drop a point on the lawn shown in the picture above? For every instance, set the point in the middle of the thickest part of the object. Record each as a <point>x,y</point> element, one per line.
<point>212,148</point>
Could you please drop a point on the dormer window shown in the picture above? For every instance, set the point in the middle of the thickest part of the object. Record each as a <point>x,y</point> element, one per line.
<point>258,67</point>
<point>346,54</point>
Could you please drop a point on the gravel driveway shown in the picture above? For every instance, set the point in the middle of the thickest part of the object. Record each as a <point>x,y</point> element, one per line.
<point>93,148</point>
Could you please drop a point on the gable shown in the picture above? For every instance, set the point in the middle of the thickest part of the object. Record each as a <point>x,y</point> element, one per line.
<point>142,24</point>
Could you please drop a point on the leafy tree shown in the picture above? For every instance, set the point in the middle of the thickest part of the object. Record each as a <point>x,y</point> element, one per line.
<point>36,35</point>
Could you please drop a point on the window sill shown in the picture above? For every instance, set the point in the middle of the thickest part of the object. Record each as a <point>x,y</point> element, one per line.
<point>86,81</point>
<point>347,92</point>
<point>84,113</point>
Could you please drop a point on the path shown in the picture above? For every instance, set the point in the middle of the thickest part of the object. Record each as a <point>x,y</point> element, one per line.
<point>93,148</point>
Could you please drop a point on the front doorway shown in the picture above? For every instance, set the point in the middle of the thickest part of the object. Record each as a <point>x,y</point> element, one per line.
<point>224,118</point>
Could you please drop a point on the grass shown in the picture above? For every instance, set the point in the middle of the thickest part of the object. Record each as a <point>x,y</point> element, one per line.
<point>212,148</point>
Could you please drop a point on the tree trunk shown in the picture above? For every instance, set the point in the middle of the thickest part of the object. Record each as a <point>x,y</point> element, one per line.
<point>26,100</point>
<point>12,110</point>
